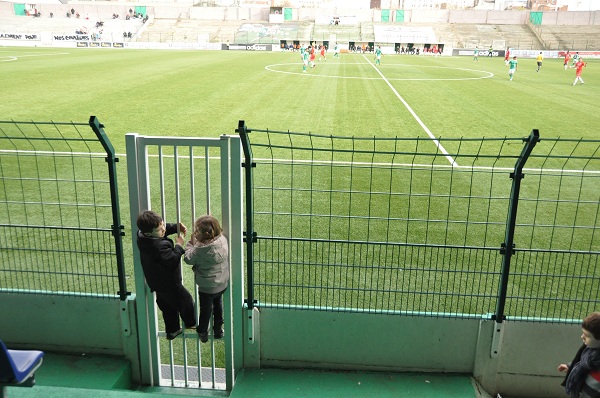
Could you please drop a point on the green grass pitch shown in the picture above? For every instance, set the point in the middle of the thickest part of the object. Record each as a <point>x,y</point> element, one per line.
<point>205,93</point>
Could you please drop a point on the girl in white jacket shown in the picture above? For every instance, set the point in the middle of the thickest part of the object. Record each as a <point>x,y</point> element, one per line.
<point>208,253</point>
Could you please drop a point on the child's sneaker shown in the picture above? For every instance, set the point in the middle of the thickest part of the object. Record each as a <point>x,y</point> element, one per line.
<point>203,336</point>
<point>172,335</point>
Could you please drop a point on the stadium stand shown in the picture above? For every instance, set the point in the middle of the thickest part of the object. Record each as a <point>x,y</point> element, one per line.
<point>188,25</point>
<point>564,37</point>
<point>112,29</point>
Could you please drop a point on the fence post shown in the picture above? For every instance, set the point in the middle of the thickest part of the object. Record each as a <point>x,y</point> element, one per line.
<point>116,226</point>
<point>507,247</point>
<point>249,235</point>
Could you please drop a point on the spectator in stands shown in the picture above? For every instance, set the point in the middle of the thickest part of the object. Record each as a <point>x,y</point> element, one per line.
<point>161,263</point>
<point>72,11</point>
<point>129,35</point>
<point>69,16</point>
<point>51,15</point>
<point>583,373</point>
<point>208,253</point>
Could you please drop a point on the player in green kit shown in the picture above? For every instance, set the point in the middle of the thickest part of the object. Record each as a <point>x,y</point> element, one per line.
<point>305,56</point>
<point>512,67</point>
<point>378,56</point>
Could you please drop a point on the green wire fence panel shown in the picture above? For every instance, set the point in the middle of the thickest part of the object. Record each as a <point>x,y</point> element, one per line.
<point>55,210</point>
<point>417,225</point>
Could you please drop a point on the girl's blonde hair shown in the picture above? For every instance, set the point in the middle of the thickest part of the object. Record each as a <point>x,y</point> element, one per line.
<point>206,228</point>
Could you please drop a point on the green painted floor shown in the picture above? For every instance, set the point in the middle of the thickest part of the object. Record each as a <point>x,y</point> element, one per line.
<point>64,376</point>
<point>302,383</point>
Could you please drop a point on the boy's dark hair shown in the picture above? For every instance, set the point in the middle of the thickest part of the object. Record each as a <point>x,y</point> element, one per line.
<point>148,220</point>
<point>591,323</point>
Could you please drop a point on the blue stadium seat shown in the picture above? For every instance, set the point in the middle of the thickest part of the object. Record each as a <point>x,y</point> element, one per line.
<point>17,367</point>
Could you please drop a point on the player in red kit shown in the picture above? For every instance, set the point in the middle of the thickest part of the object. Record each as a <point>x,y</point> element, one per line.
<point>567,58</point>
<point>578,69</point>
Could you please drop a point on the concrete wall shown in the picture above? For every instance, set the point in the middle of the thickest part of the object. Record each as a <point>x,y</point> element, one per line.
<point>528,353</point>
<point>70,324</point>
<point>571,18</point>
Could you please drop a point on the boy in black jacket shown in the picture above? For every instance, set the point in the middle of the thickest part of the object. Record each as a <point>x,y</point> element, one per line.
<point>161,262</point>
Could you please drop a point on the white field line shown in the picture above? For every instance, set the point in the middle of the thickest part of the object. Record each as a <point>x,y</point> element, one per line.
<point>417,118</point>
<point>321,162</point>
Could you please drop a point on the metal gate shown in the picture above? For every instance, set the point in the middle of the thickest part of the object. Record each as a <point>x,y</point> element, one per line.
<point>182,179</point>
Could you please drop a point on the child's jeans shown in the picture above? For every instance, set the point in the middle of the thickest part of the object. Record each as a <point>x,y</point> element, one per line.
<point>175,304</point>
<point>211,304</point>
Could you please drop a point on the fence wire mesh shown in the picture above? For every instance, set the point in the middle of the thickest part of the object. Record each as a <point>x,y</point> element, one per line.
<point>56,212</point>
<point>417,225</point>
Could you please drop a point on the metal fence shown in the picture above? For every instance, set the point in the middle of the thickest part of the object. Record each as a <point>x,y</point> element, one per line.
<point>60,231</point>
<point>421,226</point>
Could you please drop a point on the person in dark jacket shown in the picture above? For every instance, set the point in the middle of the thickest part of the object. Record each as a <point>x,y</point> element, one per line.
<point>161,262</point>
<point>583,372</point>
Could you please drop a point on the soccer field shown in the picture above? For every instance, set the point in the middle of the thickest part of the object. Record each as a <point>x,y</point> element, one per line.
<point>205,93</point>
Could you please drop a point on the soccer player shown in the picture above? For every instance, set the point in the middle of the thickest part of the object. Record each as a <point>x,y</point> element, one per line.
<point>305,56</point>
<point>506,56</point>
<point>578,69</point>
<point>475,54</point>
<point>336,51</point>
<point>378,55</point>
<point>312,57</point>
<point>322,54</point>
<point>575,59</point>
<point>567,58</point>
<point>512,67</point>
<point>539,60</point>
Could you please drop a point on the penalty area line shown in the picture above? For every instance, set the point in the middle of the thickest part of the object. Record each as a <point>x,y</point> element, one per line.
<point>414,115</point>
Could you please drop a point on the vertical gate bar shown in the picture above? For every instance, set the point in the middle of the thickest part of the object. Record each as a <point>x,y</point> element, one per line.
<point>171,367</point>
<point>161,183</point>
<point>207,165</point>
<point>236,255</point>
<point>137,195</point>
